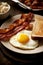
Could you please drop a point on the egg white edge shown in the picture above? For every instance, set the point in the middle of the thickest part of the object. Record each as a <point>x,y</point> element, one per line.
<point>24,46</point>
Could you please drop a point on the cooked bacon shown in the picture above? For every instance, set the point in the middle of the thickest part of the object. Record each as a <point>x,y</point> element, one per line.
<point>17,26</point>
<point>34,4</point>
<point>2,36</point>
<point>37,4</point>
<point>5,30</point>
<point>29,27</point>
<point>7,36</point>
<point>28,17</point>
<point>12,26</point>
<point>24,17</point>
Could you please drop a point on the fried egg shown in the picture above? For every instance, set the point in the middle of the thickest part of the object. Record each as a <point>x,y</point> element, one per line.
<point>23,40</point>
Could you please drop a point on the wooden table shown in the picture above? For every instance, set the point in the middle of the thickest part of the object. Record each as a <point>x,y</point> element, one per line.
<point>4,59</point>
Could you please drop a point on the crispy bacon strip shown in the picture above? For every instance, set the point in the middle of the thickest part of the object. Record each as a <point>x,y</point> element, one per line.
<point>27,16</point>
<point>34,4</point>
<point>29,27</point>
<point>24,17</point>
<point>18,25</point>
<point>16,30</point>
<point>12,26</point>
<point>7,36</point>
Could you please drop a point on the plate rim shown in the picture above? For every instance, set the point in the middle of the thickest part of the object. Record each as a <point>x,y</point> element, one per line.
<point>17,48</point>
<point>20,52</point>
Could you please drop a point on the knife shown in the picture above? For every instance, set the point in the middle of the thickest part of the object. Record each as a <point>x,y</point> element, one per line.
<point>21,4</point>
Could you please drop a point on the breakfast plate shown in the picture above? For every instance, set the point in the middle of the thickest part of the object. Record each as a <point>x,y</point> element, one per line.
<point>11,47</point>
<point>25,6</point>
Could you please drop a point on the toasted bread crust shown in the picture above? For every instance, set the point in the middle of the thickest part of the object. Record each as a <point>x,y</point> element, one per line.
<point>37,31</point>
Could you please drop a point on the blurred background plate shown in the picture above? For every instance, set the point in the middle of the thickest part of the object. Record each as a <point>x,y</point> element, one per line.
<point>25,6</point>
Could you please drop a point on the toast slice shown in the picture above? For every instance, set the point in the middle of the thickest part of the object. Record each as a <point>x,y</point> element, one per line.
<point>37,32</point>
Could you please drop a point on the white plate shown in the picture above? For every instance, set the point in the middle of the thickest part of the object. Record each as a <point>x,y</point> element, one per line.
<point>14,49</point>
<point>25,6</point>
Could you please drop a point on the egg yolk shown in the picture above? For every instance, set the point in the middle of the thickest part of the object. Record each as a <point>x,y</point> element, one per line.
<point>23,38</point>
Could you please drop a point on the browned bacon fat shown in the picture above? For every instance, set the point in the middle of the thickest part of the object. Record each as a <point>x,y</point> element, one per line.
<point>34,4</point>
<point>17,26</point>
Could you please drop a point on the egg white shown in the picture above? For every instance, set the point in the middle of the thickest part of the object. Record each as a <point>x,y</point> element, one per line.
<point>31,44</point>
